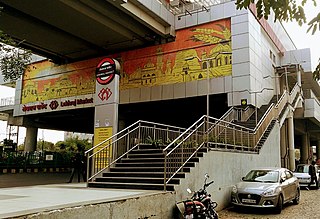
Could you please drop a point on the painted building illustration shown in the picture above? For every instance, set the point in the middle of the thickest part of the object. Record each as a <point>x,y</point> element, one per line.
<point>151,66</point>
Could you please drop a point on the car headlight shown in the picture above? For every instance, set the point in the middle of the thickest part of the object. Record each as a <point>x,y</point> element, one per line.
<point>270,192</point>
<point>234,189</point>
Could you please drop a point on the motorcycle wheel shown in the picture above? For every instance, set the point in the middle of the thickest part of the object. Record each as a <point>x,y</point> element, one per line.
<point>213,214</point>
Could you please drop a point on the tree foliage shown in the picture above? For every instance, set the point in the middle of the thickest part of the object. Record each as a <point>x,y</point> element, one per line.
<point>45,146</point>
<point>286,10</point>
<point>73,144</point>
<point>13,59</point>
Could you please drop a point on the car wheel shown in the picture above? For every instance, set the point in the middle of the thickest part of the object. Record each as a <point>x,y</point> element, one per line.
<point>278,208</point>
<point>296,200</point>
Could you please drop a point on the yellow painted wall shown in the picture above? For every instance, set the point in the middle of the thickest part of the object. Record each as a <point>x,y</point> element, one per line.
<point>146,67</point>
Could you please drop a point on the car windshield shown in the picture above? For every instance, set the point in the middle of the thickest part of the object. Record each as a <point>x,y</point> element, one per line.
<point>262,176</point>
<point>302,169</point>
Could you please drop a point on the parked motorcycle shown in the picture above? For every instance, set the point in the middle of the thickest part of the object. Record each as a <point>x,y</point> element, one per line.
<point>200,205</point>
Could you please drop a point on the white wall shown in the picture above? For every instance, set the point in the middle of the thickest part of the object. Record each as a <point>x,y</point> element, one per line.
<point>227,168</point>
<point>251,48</point>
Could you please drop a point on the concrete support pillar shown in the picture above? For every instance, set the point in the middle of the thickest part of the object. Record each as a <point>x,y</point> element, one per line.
<point>30,143</point>
<point>283,145</point>
<point>292,165</point>
<point>299,78</point>
<point>305,149</point>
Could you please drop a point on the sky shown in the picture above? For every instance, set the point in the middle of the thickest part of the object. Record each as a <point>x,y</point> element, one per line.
<point>301,38</point>
<point>48,135</point>
<point>298,34</point>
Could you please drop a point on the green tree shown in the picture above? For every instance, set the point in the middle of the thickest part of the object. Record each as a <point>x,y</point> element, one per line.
<point>14,59</point>
<point>289,10</point>
<point>73,144</point>
<point>45,146</point>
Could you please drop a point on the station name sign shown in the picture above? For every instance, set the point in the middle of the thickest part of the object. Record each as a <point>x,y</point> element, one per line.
<point>106,70</point>
<point>54,104</point>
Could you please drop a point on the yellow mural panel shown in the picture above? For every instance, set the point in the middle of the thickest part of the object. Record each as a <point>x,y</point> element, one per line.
<point>209,44</point>
<point>46,81</point>
<point>169,63</point>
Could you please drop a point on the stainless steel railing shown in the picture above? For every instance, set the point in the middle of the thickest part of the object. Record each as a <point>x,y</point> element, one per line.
<point>183,144</point>
<point>219,134</point>
<point>104,155</point>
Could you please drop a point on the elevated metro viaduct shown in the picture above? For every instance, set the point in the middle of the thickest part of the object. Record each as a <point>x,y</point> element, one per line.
<point>236,58</point>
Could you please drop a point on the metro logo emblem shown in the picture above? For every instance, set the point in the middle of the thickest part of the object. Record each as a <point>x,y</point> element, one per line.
<point>106,71</point>
<point>54,104</point>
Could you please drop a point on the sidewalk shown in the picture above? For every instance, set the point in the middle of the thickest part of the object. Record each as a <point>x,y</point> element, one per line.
<point>30,179</point>
<point>30,193</point>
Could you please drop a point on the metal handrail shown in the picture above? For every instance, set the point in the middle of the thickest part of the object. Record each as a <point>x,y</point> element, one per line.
<point>108,152</point>
<point>183,148</point>
<point>274,111</point>
<point>186,143</point>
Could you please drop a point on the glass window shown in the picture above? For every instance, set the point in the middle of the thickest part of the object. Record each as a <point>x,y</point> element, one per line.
<point>288,174</point>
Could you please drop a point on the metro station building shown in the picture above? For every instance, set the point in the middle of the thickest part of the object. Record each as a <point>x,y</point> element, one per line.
<point>168,62</point>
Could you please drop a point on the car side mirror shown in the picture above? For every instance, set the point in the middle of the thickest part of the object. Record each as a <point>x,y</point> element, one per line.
<point>282,179</point>
<point>242,178</point>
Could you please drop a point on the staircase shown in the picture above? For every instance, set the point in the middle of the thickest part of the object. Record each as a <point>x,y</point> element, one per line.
<point>161,166</point>
<point>251,122</point>
<point>138,164</point>
<point>265,135</point>
<point>142,168</point>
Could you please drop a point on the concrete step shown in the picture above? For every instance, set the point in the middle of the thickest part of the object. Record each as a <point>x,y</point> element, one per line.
<point>145,164</point>
<point>143,155</point>
<point>146,151</point>
<point>140,160</point>
<point>125,179</point>
<point>140,174</point>
<point>143,169</point>
<point>142,186</point>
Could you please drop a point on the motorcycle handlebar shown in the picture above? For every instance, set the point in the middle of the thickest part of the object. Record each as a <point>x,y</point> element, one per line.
<point>208,184</point>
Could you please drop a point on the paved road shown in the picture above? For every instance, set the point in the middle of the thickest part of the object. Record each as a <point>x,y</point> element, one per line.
<point>8,180</point>
<point>308,208</point>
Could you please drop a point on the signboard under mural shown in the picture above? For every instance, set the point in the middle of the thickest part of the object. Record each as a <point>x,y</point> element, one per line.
<point>146,67</point>
<point>102,158</point>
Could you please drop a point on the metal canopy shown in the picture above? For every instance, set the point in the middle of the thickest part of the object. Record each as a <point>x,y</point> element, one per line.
<point>72,30</point>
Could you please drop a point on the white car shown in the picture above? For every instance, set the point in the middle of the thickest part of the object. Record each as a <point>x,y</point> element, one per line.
<point>302,173</point>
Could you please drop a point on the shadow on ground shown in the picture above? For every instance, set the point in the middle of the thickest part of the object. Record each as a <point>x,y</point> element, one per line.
<point>9,180</point>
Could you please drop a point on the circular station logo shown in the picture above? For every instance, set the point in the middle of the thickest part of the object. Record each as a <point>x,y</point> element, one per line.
<point>106,71</point>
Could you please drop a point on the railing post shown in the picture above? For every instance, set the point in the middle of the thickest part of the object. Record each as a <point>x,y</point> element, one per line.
<point>128,141</point>
<point>139,135</point>
<point>241,138</point>
<point>234,137</point>
<point>207,130</point>
<point>167,136</point>
<point>88,165</point>
<point>165,171</point>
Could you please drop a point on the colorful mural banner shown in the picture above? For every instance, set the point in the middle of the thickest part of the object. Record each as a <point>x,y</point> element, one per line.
<point>209,44</point>
<point>46,81</point>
